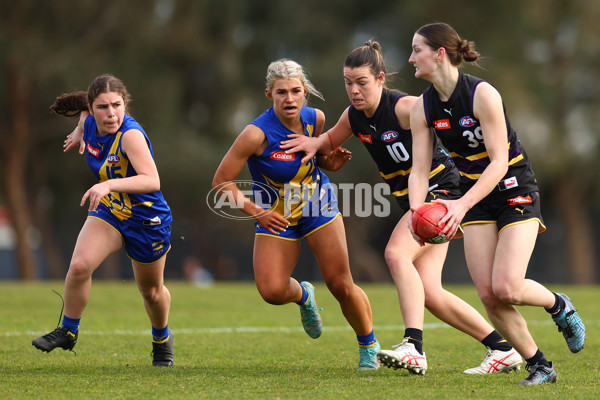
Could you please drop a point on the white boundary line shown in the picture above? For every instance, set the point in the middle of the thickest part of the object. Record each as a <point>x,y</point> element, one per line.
<point>248,329</point>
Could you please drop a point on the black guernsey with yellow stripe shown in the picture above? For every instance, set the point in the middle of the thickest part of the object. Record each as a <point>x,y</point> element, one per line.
<point>390,146</point>
<point>461,134</point>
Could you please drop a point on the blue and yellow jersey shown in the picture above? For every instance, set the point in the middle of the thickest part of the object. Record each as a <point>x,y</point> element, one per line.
<point>107,161</point>
<point>281,181</point>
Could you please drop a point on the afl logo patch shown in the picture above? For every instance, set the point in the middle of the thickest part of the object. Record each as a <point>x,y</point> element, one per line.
<point>113,158</point>
<point>389,136</point>
<point>466,122</point>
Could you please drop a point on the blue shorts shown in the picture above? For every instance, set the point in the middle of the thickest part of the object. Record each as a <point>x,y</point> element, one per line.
<point>142,244</point>
<point>315,215</point>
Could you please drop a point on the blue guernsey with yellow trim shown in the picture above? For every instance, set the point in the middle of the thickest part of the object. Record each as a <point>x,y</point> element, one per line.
<point>107,161</point>
<point>281,181</point>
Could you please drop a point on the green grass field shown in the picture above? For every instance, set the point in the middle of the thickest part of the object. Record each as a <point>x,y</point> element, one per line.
<point>230,344</point>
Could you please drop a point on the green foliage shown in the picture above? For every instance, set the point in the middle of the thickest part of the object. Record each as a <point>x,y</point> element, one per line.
<point>230,344</point>
<point>196,72</point>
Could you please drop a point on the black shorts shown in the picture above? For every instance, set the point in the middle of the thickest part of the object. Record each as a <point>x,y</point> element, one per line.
<point>510,211</point>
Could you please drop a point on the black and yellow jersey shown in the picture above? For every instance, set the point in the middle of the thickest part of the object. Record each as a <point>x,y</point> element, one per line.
<point>390,146</point>
<point>461,134</point>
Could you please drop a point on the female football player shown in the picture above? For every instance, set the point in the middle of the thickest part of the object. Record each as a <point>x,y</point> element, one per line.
<point>293,200</point>
<point>379,117</point>
<point>500,206</point>
<point>126,209</point>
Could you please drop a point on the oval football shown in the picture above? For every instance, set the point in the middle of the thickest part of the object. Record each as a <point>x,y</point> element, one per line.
<point>425,222</point>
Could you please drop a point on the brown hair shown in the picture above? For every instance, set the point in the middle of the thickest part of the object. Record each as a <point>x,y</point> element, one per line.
<point>371,55</point>
<point>443,35</point>
<point>72,104</point>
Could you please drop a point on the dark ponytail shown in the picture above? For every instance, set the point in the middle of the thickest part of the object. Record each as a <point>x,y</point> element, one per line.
<point>439,35</point>
<point>70,104</point>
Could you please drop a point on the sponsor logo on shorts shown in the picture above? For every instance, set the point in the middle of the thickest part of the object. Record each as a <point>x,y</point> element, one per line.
<point>365,138</point>
<point>283,156</point>
<point>508,183</point>
<point>152,221</point>
<point>389,136</point>
<point>442,124</point>
<point>466,122</point>
<point>520,200</point>
<point>436,193</point>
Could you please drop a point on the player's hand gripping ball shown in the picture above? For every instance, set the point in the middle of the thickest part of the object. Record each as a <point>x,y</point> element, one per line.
<point>425,223</point>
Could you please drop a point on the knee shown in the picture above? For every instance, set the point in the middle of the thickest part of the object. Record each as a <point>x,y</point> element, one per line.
<point>391,256</point>
<point>395,260</point>
<point>487,297</point>
<point>340,288</point>
<point>432,301</point>
<point>506,293</point>
<point>151,294</point>
<point>272,294</point>
<point>80,268</point>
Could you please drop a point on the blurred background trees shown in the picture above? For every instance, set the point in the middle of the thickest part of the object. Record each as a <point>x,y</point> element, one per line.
<point>196,68</point>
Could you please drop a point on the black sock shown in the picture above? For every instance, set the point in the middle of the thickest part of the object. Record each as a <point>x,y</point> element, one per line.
<point>495,341</point>
<point>559,304</point>
<point>538,358</point>
<point>415,336</point>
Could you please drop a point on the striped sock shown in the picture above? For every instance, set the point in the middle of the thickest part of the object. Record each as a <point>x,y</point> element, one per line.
<point>495,341</point>
<point>304,298</point>
<point>71,323</point>
<point>415,336</point>
<point>160,335</point>
<point>366,340</point>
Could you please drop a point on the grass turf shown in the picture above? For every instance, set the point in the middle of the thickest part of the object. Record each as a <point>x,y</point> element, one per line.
<point>231,344</point>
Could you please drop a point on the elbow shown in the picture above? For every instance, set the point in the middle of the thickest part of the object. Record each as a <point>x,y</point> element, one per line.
<point>502,169</point>
<point>155,186</point>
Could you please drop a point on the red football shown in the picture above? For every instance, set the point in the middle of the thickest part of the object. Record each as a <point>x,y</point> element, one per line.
<point>425,222</point>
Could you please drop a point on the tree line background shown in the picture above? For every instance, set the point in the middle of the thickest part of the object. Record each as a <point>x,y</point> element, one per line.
<point>196,69</point>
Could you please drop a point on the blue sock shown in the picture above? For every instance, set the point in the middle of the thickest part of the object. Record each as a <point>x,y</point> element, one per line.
<point>367,340</point>
<point>304,298</point>
<point>71,323</point>
<point>160,335</point>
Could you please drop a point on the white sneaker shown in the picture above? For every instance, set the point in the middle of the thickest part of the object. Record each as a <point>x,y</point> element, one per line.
<point>404,355</point>
<point>497,361</point>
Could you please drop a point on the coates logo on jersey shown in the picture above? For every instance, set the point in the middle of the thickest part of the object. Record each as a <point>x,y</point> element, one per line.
<point>520,200</point>
<point>389,136</point>
<point>92,150</point>
<point>365,138</point>
<point>442,124</point>
<point>466,122</point>
<point>113,158</point>
<point>282,156</point>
